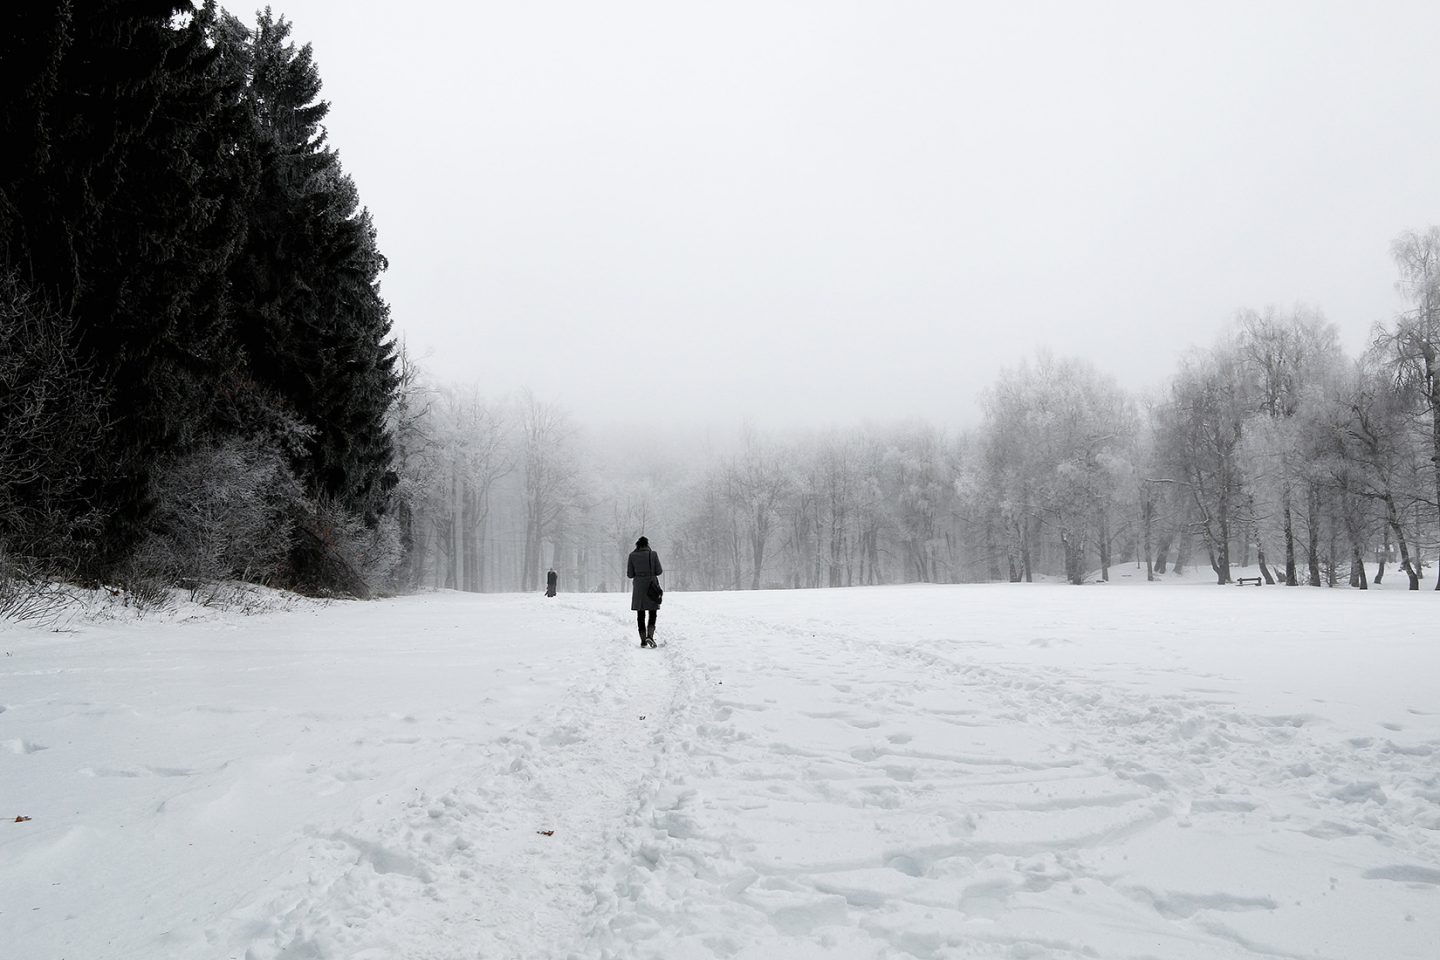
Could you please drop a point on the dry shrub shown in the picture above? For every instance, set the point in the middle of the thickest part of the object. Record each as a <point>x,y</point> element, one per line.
<point>26,596</point>
<point>221,513</point>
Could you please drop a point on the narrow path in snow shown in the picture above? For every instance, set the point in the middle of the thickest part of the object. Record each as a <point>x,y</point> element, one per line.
<point>499,855</point>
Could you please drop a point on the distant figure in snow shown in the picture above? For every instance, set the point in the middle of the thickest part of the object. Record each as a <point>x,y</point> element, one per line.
<point>550,580</point>
<point>644,569</point>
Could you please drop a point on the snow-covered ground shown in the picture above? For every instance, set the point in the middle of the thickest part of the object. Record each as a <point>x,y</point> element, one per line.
<point>1116,771</point>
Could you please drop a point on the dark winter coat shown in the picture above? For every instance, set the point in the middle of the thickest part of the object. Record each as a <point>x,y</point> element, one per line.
<point>644,567</point>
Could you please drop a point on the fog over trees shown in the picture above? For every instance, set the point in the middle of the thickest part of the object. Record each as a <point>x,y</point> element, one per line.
<point>1270,448</point>
<point>198,382</point>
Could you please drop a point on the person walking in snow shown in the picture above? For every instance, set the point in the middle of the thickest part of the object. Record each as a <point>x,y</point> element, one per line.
<point>551,579</point>
<point>645,593</point>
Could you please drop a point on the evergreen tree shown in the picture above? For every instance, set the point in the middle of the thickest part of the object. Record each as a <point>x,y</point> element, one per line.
<point>122,208</point>
<point>308,310</point>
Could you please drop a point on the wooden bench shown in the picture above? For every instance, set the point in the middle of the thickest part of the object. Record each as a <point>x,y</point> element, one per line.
<point>1241,581</point>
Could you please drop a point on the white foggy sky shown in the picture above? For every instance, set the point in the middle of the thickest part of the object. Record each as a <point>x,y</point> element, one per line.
<point>814,213</point>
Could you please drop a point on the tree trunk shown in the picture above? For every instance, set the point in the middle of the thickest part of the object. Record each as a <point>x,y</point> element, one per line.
<point>1432,379</point>
<point>1260,560</point>
<point>1222,560</point>
<point>737,556</point>
<point>1384,554</point>
<point>1332,563</point>
<point>1162,551</point>
<point>1104,547</point>
<point>1025,553</point>
<point>992,552</point>
<point>1392,515</point>
<point>482,554</point>
<point>563,574</point>
<point>457,543</point>
<point>757,550</point>
<point>1289,522</point>
<point>1312,519</point>
<point>1147,517</point>
<point>1074,561</point>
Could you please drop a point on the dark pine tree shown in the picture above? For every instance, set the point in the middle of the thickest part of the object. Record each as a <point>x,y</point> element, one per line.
<point>308,311</point>
<point>121,206</point>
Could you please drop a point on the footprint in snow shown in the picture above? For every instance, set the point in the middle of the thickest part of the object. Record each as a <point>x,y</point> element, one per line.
<point>1183,906</point>
<point>1222,805</point>
<point>1405,873</point>
<point>1360,792</point>
<point>906,864</point>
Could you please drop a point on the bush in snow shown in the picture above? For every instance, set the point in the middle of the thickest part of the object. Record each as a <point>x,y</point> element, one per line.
<point>28,597</point>
<point>221,513</point>
<point>337,554</point>
<point>51,422</point>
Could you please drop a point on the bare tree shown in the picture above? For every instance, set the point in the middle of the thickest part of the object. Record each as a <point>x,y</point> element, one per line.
<point>1203,426</point>
<point>1413,346</point>
<point>757,482</point>
<point>1059,451</point>
<point>1283,356</point>
<point>549,473</point>
<point>1374,452</point>
<point>410,429</point>
<point>838,492</point>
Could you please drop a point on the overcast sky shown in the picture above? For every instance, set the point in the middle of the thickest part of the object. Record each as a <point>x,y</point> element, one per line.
<point>817,213</point>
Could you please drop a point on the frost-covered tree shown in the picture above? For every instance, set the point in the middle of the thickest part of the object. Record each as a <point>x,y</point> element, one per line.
<point>549,471</point>
<point>1286,358</point>
<point>756,483</point>
<point>1378,456</point>
<point>1412,348</point>
<point>1202,427</point>
<point>1058,452</point>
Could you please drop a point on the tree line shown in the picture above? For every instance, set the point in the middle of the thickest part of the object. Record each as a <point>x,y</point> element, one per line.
<point>1270,450</point>
<point>198,382</point>
<point>195,359</point>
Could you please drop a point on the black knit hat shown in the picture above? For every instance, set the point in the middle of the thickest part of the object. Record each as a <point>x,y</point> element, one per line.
<point>642,543</point>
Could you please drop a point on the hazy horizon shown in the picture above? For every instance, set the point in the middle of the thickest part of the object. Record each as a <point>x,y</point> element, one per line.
<point>813,214</point>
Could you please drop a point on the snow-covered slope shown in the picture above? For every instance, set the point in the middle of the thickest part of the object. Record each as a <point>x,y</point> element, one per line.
<point>1116,771</point>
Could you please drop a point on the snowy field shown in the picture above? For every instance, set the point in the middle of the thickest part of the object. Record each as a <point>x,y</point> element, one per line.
<point>1016,771</point>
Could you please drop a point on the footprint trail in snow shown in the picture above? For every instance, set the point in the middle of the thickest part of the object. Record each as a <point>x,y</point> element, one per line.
<point>959,772</point>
